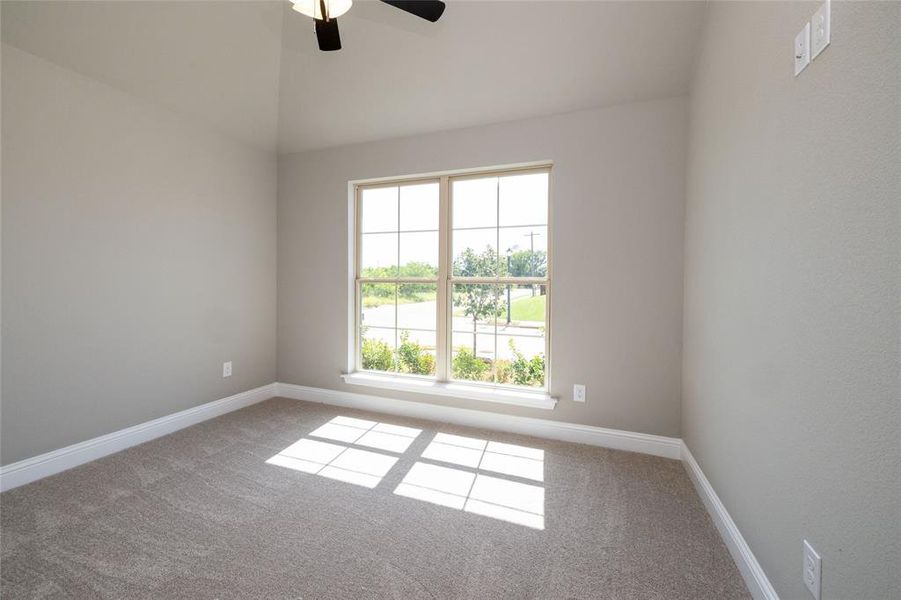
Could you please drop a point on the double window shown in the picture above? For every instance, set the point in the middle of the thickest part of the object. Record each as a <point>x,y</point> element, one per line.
<point>452,277</point>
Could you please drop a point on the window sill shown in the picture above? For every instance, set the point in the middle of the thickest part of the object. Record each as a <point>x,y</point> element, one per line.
<point>527,398</point>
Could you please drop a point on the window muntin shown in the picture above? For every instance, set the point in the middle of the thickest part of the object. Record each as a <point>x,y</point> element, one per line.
<point>452,278</point>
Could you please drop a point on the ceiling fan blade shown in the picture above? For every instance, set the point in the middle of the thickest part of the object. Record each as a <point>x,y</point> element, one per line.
<point>430,10</point>
<point>327,35</point>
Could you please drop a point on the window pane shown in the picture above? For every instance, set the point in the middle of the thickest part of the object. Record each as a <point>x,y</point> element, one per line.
<point>416,352</point>
<point>475,253</point>
<point>524,250</point>
<point>469,364</point>
<point>475,202</point>
<point>379,209</point>
<point>497,227</point>
<point>417,306</point>
<point>520,360</point>
<point>377,352</point>
<point>527,306</point>
<point>378,304</point>
<point>417,324</point>
<point>523,199</point>
<point>419,207</point>
<point>475,308</point>
<point>378,255</point>
<point>521,336</point>
<point>419,254</point>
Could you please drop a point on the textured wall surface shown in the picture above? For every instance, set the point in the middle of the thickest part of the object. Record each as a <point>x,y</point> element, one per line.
<point>791,356</point>
<point>617,214</point>
<point>138,255</point>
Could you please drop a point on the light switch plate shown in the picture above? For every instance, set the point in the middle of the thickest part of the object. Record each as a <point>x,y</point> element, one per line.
<point>802,49</point>
<point>821,29</point>
<point>812,572</point>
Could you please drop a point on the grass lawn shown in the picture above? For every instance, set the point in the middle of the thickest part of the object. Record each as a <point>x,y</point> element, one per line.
<point>529,308</point>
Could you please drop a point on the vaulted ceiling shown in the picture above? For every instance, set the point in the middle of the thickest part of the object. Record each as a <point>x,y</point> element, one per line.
<point>252,69</point>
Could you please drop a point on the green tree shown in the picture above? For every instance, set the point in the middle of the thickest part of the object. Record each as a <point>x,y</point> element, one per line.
<point>408,291</point>
<point>479,300</point>
<point>525,263</point>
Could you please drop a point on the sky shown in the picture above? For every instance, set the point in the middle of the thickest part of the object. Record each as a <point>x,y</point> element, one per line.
<point>497,211</point>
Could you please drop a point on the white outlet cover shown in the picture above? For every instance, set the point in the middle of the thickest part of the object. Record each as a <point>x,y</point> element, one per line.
<point>578,393</point>
<point>802,49</point>
<point>812,570</point>
<point>821,29</point>
<point>227,369</point>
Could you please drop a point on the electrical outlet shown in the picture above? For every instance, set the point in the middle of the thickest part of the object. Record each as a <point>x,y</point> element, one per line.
<point>812,572</point>
<point>821,30</point>
<point>802,49</point>
<point>227,369</point>
<point>578,393</point>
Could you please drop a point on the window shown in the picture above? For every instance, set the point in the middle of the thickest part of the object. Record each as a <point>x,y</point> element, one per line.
<point>452,278</point>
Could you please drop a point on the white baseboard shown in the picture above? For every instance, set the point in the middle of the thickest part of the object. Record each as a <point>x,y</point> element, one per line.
<point>756,580</point>
<point>569,432</point>
<point>31,469</point>
<point>50,463</point>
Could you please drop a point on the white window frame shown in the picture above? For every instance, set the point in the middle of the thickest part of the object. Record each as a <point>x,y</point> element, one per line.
<point>442,384</point>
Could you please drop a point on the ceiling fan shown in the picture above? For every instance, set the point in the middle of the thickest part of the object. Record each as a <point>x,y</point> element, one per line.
<point>326,13</point>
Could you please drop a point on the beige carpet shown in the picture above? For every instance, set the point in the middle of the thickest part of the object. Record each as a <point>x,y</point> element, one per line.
<point>361,505</point>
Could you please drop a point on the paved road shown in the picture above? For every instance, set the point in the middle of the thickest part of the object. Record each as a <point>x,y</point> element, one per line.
<point>422,315</point>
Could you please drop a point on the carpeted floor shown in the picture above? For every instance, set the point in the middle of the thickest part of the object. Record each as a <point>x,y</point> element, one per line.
<point>361,505</point>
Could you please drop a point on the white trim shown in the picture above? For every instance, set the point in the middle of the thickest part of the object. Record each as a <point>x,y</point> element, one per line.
<point>31,469</point>
<point>500,395</point>
<point>475,171</point>
<point>352,247</point>
<point>756,580</point>
<point>445,281</point>
<point>570,432</point>
<point>50,463</point>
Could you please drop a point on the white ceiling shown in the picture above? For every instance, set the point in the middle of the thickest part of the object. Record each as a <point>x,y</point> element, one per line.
<point>252,70</point>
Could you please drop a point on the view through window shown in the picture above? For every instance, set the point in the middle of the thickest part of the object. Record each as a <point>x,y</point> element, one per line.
<point>452,277</point>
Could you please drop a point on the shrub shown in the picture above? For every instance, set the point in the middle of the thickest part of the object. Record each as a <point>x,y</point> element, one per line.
<point>503,371</point>
<point>468,366</point>
<point>377,355</point>
<point>426,364</point>
<point>412,358</point>
<point>527,371</point>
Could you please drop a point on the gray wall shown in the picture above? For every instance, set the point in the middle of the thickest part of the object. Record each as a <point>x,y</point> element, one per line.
<point>617,215</point>
<point>791,355</point>
<point>138,255</point>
